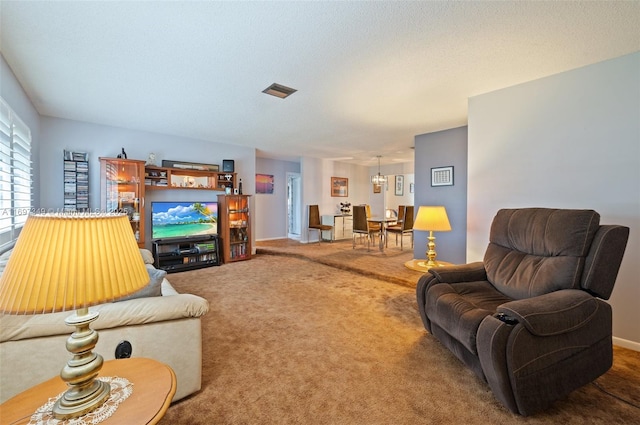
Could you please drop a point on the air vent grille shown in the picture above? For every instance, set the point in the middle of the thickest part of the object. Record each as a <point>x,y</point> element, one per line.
<point>278,90</point>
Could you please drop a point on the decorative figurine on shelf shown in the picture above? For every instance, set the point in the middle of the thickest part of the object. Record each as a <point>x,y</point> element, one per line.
<point>240,187</point>
<point>122,155</point>
<point>345,207</point>
<point>151,160</point>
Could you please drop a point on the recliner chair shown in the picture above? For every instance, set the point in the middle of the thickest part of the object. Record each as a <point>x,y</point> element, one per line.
<point>529,319</point>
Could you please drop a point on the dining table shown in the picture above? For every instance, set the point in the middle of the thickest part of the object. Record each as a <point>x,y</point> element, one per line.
<point>384,222</point>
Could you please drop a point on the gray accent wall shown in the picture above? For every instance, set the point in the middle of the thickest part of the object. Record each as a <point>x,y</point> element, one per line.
<point>270,217</point>
<point>571,140</point>
<point>442,149</point>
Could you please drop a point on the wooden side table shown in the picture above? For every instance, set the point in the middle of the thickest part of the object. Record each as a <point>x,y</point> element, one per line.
<point>154,385</point>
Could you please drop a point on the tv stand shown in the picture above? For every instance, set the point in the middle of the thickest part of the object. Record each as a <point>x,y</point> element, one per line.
<point>181,254</point>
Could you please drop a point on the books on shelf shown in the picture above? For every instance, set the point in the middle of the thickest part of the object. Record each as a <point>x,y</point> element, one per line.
<point>76,181</point>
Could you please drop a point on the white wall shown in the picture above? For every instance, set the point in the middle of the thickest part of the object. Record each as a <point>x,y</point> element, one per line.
<point>316,187</point>
<point>571,140</point>
<point>387,197</point>
<point>104,141</point>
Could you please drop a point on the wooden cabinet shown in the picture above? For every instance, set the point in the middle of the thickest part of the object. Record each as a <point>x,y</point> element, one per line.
<point>234,227</point>
<point>122,190</point>
<point>181,254</point>
<point>342,226</point>
<point>159,178</point>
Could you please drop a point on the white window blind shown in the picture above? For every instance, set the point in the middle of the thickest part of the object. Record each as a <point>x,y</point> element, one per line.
<point>16,176</point>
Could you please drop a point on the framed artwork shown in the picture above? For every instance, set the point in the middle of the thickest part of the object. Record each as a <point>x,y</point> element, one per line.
<point>399,185</point>
<point>264,183</point>
<point>339,187</point>
<point>377,188</point>
<point>442,176</point>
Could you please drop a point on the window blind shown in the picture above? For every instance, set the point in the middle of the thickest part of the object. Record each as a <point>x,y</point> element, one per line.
<point>16,175</point>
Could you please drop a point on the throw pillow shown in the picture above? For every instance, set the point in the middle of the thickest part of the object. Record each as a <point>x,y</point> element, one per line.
<point>147,257</point>
<point>153,288</point>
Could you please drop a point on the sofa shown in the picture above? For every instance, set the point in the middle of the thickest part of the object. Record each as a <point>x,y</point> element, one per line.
<point>530,319</point>
<point>157,321</point>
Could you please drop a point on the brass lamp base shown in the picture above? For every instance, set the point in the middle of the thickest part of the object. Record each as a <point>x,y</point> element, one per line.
<point>430,262</point>
<point>85,393</point>
<point>73,404</point>
<point>423,265</point>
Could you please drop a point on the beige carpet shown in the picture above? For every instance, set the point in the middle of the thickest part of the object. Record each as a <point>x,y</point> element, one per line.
<point>289,340</point>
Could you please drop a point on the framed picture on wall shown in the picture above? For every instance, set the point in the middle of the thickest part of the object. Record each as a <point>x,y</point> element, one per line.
<point>377,188</point>
<point>442,176</point>
<point>339,187</point>
<point>411,188</point>
<point>399,185</point>
<point>264,183</point>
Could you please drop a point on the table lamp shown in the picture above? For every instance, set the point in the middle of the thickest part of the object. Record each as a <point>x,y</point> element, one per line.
<point>73,261</point>
<point>431,219</point>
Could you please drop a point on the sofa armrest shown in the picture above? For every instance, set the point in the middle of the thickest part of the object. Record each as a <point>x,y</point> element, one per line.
<point>471,272</point>
<point>553,313</point>
<point>124,313</point>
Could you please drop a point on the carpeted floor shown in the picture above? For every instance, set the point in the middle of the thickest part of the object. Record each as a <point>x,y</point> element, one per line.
<point>291,340</point>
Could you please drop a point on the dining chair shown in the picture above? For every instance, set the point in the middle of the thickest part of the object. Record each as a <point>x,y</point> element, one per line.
<point>372,225</point>
<point>316,224</point>
<point>402,228</point>
<point>361,227</point>
<point>398,224</point>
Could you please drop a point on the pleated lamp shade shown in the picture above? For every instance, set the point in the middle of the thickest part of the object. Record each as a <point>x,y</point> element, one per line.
<point>432,218</point>
<point>70,261</point>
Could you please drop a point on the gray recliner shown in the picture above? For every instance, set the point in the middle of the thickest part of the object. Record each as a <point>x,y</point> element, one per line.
<point>529,319</point>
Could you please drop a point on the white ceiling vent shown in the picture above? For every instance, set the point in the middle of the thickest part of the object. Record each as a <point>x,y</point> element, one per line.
<point>278,90</point>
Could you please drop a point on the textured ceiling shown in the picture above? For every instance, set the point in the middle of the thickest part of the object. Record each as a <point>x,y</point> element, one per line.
<point>370,75</point>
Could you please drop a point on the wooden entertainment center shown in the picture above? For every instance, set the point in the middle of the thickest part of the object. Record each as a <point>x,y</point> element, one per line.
<point>233,242</point>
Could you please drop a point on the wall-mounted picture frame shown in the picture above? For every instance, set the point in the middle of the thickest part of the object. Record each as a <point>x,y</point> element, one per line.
<point>399,185</point>
<point>377,188</point>
<point>411,188</point>
<point>442,176</point>
<point>339,187</point>
<point>264,184</point>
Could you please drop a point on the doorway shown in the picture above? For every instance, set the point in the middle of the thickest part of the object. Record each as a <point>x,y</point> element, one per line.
<point>294,209</point>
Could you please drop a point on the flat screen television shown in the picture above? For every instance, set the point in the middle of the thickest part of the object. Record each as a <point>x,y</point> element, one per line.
<point>183,219</point>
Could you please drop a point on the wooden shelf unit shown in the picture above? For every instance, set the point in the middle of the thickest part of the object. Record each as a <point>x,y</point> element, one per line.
<point>234,227</point>
<point>163,178</point>
<point>122,190</point>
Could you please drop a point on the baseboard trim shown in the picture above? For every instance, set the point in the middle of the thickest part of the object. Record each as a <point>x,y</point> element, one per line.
<point>625,343</point>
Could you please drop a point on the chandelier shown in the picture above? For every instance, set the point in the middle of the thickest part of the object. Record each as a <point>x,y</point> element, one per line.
<point>379,178</point>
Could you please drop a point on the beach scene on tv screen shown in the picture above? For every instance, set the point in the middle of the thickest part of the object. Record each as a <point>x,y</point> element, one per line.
<point>180,219</point>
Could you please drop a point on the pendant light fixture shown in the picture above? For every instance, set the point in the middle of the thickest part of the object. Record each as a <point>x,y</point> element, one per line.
<point>379,179</point>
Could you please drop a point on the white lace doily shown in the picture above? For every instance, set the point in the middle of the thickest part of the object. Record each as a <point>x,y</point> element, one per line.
<point>121,389</point>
